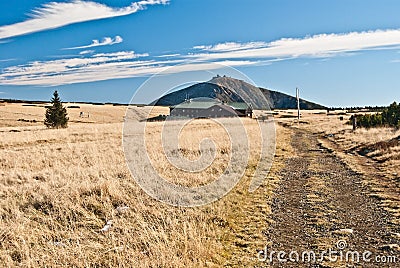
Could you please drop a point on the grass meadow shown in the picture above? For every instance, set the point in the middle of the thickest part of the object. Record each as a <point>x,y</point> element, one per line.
<point>60,188</point>
<point>67,197</point>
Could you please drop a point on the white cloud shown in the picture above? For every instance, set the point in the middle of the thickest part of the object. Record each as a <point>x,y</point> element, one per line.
<point>231,46</point>
<point>125,64</point>
<point>104,66</point>
<point>324,45</point>
<point>55,14</point>
<point>121,55</point>
<point>168,55</point>
<point>84,52</point>
<point>61,66</point>
<point>107,41</point>
<point>61,73</point>
<point>5,60</point>
<point>98,67</point>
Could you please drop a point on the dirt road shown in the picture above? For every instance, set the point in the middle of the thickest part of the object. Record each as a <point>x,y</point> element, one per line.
<point>321,205</point>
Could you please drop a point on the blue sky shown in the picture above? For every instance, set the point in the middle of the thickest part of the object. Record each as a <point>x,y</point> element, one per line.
<point>339,53</point>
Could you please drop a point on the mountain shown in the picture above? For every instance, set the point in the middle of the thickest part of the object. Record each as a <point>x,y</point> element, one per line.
<point>282,101</point>
<point>229,89</point>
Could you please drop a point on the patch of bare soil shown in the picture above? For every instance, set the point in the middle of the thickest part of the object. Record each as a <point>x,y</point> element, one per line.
<point>322,205</point>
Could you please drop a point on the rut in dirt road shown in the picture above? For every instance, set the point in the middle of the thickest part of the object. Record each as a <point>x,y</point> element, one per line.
<point>320,202</point>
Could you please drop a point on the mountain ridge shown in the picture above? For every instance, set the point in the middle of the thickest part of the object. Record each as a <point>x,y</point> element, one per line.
<point>229,89</point>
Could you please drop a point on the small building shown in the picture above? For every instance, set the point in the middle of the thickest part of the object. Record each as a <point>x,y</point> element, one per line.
<point>209,108</point>
<point>242,109</point>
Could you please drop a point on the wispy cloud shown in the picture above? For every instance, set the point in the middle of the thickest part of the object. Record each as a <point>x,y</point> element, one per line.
<point>102,66</point>
<point>121,55</point>
<point>55,14</point>
<point>75,71</point>
<point>324,45</point>
<point>91,67</point>
<point>5,60</point>
<point>168,55</point>
<point>231,46</point>
<point>84,52</point>
<point>107,41</point>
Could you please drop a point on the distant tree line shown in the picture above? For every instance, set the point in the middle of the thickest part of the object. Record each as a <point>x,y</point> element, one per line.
<point>388,117</point>
<point>377,109</point>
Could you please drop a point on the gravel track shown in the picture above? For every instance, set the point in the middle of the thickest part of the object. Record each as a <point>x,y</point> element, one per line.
<point>321,201</point>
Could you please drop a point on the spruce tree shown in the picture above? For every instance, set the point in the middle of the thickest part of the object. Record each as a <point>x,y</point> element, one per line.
<point>56,115</point>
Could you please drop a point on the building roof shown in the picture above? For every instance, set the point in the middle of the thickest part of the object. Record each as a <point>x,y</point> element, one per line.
<point>206,103</point>
<point>238,105</point>
<point>199,103</point>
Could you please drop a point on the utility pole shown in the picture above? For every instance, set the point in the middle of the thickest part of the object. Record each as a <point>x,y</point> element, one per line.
<point>298,103</point>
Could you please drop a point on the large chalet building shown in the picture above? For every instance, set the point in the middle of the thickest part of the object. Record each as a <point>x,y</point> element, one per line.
<point>210,108</point>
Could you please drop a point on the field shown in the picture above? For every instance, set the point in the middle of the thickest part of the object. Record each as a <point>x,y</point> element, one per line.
<point>68,198</point>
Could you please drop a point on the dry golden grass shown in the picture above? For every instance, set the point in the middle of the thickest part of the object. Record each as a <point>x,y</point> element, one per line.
<point>249,215</point>
<point>189,147</point>
<point>11,112</point>
<point>59,188</point>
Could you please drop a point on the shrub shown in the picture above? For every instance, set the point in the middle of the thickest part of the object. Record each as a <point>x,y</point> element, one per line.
<point>389,117</point>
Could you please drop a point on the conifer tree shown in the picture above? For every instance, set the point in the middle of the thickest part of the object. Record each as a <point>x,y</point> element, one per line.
<point>56,115</point>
